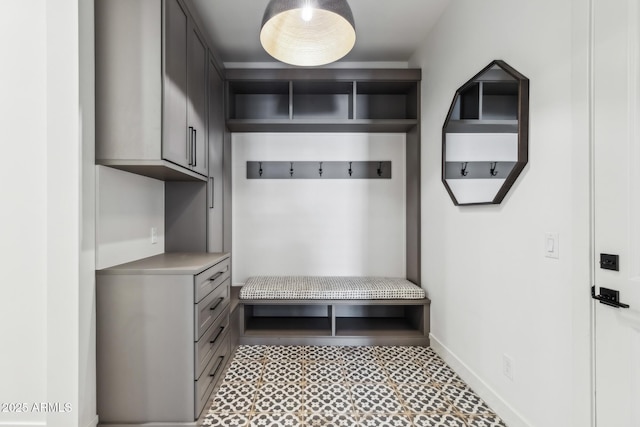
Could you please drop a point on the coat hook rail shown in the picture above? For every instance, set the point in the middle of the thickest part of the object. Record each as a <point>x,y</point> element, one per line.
<point>463,169</point>
<point>378,169</point>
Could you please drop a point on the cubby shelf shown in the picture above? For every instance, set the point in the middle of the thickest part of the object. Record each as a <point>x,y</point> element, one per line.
<point>330,101</point>
<point>340,322</point>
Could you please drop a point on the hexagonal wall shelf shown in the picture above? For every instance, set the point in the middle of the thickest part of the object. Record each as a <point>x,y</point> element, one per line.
<point>485,136</point>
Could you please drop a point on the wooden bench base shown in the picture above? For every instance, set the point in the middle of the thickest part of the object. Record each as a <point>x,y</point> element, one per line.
<point>334,322</point>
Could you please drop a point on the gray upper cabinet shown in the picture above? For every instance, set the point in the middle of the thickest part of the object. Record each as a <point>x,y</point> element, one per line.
<point>197,100</point>
<point>177,141</point>
<point>151,97</point>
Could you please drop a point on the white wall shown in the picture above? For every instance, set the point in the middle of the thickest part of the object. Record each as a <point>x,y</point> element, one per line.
<point>23,217</point>
<point>128,206</point>
<point>313,226</point>
<point>493,292</point>
<point>46,116</point>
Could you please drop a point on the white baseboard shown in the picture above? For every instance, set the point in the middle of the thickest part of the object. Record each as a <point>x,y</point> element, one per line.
<point>93,422</point>
<point>23,424</point>
<point>193,424</point>
<point>508,414</point>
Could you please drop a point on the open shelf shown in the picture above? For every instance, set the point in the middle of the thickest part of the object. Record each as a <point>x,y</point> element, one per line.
<point>322,100</point>
<point>375,326</point>
<point>337,102</point>
<point>258,100</point>
<point>287,326</point>
<point>386,100</point>
<point>343,322</point>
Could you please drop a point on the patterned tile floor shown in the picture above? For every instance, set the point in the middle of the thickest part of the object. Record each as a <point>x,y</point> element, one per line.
<point>345,386</point>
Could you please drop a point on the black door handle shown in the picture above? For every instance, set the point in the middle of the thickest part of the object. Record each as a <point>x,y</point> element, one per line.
<point>609,297</point>
<point>190,146</point>
<point>195,147</point>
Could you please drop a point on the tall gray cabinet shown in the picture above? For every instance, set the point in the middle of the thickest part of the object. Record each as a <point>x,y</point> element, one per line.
<point>162,322</point>
<point>159,110</point>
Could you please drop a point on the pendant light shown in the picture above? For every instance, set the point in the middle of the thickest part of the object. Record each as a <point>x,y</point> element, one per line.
<point>308,32</point>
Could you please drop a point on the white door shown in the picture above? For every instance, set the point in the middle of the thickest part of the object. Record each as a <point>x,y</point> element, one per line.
<point>616,169</point>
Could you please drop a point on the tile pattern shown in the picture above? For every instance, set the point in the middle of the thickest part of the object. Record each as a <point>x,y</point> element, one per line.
<point>341,386</point>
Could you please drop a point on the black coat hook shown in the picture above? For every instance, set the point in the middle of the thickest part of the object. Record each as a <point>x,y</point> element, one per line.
<point>291,169</point>
<point>350,170</point>
<point>379,168</point>
<point>260,170</point>
<point>463,169</point>
<point>492,169</point>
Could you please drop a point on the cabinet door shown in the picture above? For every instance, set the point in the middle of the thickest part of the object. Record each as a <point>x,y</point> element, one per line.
<point>175,137</point>
<point>197,101</point>
<point>216,144</point>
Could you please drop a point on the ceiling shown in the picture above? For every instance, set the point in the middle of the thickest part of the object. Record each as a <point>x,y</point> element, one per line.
<point>386,30</point>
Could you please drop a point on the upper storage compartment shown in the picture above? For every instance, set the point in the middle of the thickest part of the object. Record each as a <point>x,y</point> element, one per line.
<point>322,100</point>
<point>151,89</point>
<point>258,100</point>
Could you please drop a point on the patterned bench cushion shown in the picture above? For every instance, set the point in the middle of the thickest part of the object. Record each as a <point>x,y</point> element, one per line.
<point>328,287</point>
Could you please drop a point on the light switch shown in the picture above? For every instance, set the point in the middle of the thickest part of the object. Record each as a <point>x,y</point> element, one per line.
<point>551,245</point>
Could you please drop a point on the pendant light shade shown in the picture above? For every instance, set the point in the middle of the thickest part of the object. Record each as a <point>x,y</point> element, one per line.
<point>308,32</point>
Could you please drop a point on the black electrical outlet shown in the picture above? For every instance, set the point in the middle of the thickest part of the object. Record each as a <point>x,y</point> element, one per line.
<point>609,262</point>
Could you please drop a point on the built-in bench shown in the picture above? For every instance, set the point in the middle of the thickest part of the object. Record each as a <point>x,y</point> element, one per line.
<point>303,310</point>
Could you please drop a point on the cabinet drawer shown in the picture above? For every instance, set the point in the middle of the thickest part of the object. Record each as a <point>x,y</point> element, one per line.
<point>210,279</point>
<point>210,341</point>
<point>208,310</point>
<point>207,381</point>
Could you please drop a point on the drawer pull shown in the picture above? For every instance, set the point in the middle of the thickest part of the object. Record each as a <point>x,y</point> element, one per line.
<point>215,276</point>
<point>217,304</point>
<point>217,335</point>
<point>215,371</point>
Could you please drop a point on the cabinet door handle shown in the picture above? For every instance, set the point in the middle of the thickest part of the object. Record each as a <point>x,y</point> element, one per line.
<point>190,145</point>
<point>217,304</point>
<point>215,371</point>
<point>195,145</point>
<point>211,193</point>
<point>213,340</point>
<point>215,276</point>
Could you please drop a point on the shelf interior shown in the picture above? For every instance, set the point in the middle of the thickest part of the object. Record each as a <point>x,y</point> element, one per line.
<point>357,320</point>
<point>375,326</point>
<point>323,100</point>
<point>289,326</point>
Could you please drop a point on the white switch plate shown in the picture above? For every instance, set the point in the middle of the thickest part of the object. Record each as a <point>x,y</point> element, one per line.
<point>507,366</point>
<point>154,235</point>
<point>552,245</point>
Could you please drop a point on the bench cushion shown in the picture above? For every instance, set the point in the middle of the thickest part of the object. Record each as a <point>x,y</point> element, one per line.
<point>329,287</point>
